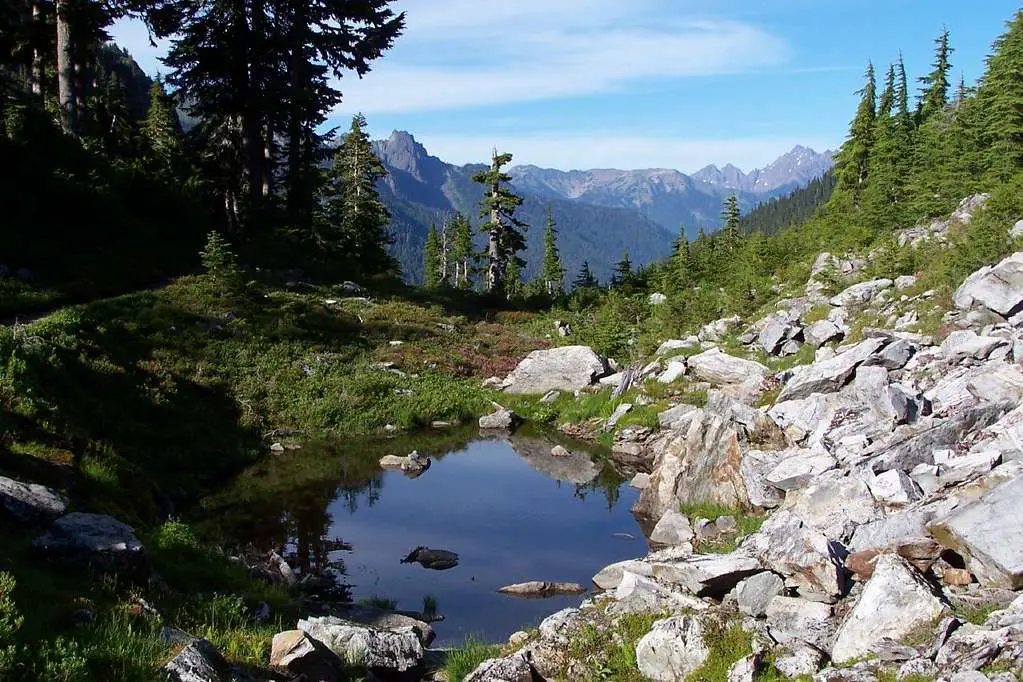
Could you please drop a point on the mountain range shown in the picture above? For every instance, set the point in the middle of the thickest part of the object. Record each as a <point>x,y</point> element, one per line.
<point>600,213</point>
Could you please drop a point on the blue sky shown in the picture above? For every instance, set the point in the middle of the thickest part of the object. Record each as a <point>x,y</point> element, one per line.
<point>642,83</point>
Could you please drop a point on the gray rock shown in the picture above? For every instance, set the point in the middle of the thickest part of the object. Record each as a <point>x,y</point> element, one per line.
<point>917,668</point>
<point>1002,385</point>
<point>861,293</point>
<point>797,468</point>
<point>394,650</point>
<point>383,619</point>
<point>998,288</point>
<point>895,603</point>
<point>295,653</point>
<point>820,332</point>
<point>835,505</point>
<point>989,534</point>
<point>609,577</point>
<point>708,575</point>
<point>30,502</point>
<point>675,370</point>
<point>718,367</point>
<point>775,332</point>
<point>755,593</point>
<point>746,669</point>
<point>893,356</point>
<point>501,419</point>
<point>677,344</point>
<point>971,648</point>
<point>800,661</point>
<point>639,594</point>
<point>894,488</point>
<point>678,417</point>
<point>541,588</point>
<point>830,375</point>
<point>640,481</point>
<point>790,347</point>
<point>798,621</point>
<point>672,529</point>
<point>199,661</point>
<point>802,554</point>
<point>801,419</point>
<point>508,669</point>
<point>434,559</point>
<point>966,343</point>
<point>905,282</point>
<point>100,541</point>
<point>673,649</point>
<point>413,463</point>
<point>568,368</point>
<point>754,468</point>
<point>718,329</point>
<point>620,411</point>
<point>888,531</point>
<point>913,444</point>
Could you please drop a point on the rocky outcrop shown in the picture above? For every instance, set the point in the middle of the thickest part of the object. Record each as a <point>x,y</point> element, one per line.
<point>296,654</point>
<point>541,588</point>
<point>673,649</point>
<point>719,367</point>
<point>95,540</point>
<point>830,375</point>
<point>30,502</point>
<point>395,650</point>
<point>568,368</point>
<point>199,661</point>
<point>998,288</point>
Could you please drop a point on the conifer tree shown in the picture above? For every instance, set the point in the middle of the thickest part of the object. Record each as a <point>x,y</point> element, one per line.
<point>504,238</point>
<point>680,267</point>
<point>585,278</point>
<point>851,160</point>
<point>552,273</point>
<point>623,276</point>
<point>934,94</point>
<point>161,129</point>
<point>512,283</point>
<point>353,220</point>
<point>730,218</point>
<point>463,254</point>
<point>432,259</point>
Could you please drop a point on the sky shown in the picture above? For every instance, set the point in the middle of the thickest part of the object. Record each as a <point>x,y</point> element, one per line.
<point>579,84</point>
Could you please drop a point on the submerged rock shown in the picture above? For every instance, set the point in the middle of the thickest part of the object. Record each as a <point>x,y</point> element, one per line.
<point>541,588</point>
<point>413,463</point>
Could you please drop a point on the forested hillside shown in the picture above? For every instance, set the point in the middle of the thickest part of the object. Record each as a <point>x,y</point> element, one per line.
<point>790,210</point>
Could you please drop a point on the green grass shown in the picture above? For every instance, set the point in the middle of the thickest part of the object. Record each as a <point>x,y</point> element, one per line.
<point>380,602</point>
<point>609,653</point>
<point>729,643</point>
<point>746,523</point>
<point>466,658</point>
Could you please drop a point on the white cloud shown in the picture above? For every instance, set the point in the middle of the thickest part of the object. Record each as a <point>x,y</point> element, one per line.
<point>610,151</point>
<point>462,53</point>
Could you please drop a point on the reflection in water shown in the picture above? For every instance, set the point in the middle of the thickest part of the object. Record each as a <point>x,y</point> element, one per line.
<point>509,509</point>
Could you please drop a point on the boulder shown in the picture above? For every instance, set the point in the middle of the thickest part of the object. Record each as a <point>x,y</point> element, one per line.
<point>717,329</point>
<point>988,532</point>
<point>965,343</point>
<point>508,669</point>
<point>820,332</point>
<point>798,621</point>
<point>775,333</point>
<point>435,559</point>
<point>803,555</point>
<point>896,602</point>
<point>913,444</point>
<point>803,419</point>
<point>199,661</point>
<point>888,531</point>
<point>801,661</point>
<point>894,488</point>
<point>297,654</point>
<point>616,416</point>
<point>501,419</point>
<point>893,356</point>
<point>859,294</point>
<point>30,502</point>
<point>413,463</point>
<point>391,650</point>
<point>755,466</point>
<point>719,367</point>
<point>384,619</point>
<point>905,282</point>
<point>675,370</point>
<point>755,593</point>
<point>972,647</point>
<point>96,540</point>
<point>677,418</point>
<point>746,669</point>
<point>672,529</point>
<point>998,288</point>
<point>609,577</point>
<point>639,594</point>
<point>797,468</point>
<point>835,505</point>
<point>677,344</point>
<point>568,368</point>
<point>830,375</point>
<point>708,575</point>
<point>673,649</point>
<point>541,588</point>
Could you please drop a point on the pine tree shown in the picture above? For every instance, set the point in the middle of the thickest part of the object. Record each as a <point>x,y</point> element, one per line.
<point>585,278</point>
<point>934,94</point>
<point>730,218</point>
<point>851,160</point>
<point>622,277</point>
<point>220,262</point>
<point>432,255</point>
<point>680,266</point>
<point>552,273</point>
<point>353,220</point>
<point>512,282</point>
<point>463,254</point>
<point>161,129</point>
<point>504,238</point>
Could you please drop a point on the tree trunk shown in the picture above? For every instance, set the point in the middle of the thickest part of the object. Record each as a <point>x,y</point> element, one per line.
<point>66,70</point>
<point>268,155</point>
<point>494,266</point>
<point>36,75</point>
<point>299,197</point>
<point>444,251</point>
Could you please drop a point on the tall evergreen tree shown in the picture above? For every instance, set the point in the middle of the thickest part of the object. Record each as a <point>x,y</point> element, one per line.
<point>353,220</point>
<point>503,229</point>
<point>432,255</point>
<point>161,129</point>
<point>730,217</point>
<point>552,274</point>
<point>934,94</point>
<point>622,277</point>
<point>585,278</point>
<point>463,254</point>
<point>851,160</point>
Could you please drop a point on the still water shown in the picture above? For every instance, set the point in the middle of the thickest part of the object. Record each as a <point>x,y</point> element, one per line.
<point>511,511</point>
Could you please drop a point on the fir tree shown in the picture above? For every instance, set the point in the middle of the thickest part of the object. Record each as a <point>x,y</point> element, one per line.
<point>585,278</point>
<point>730,218</point>
<point>680,267</point>
<point>219,262</point>
<point>353,220</point>
<point>432,254</point>
<point>851,160</point>
<point>504,238</point>
<point>512,283</point>
<point>934,94</point>
<point>622,277</point>
<point>161,129</point>
<point>463,255</point>
<point>552,273</point>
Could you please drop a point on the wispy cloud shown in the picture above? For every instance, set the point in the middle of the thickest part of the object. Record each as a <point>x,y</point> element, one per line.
<point>465,53</point>
<point>595,150</point>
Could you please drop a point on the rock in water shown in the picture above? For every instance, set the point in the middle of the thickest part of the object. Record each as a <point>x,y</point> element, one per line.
<point>989,533</point>
<point>100,541</point>
<point>30,502</point>
<point>199,661</point>
<point>501,419</point>
<point>436,559</point>
<point>393,650</point>
<point>295,653</point>
<point>896,602</point>
<point>568,368</point>
<point>673,649</point>
<point>541,588</point>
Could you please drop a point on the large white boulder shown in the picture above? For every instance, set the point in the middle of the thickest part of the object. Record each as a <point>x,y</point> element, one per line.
<point>568,368</point>
<point>830,375</point>
<point>395,650</point>
<point>673,649</point>
<point>998,288</point>
<point>719,367</point>
<point>861,293</point>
